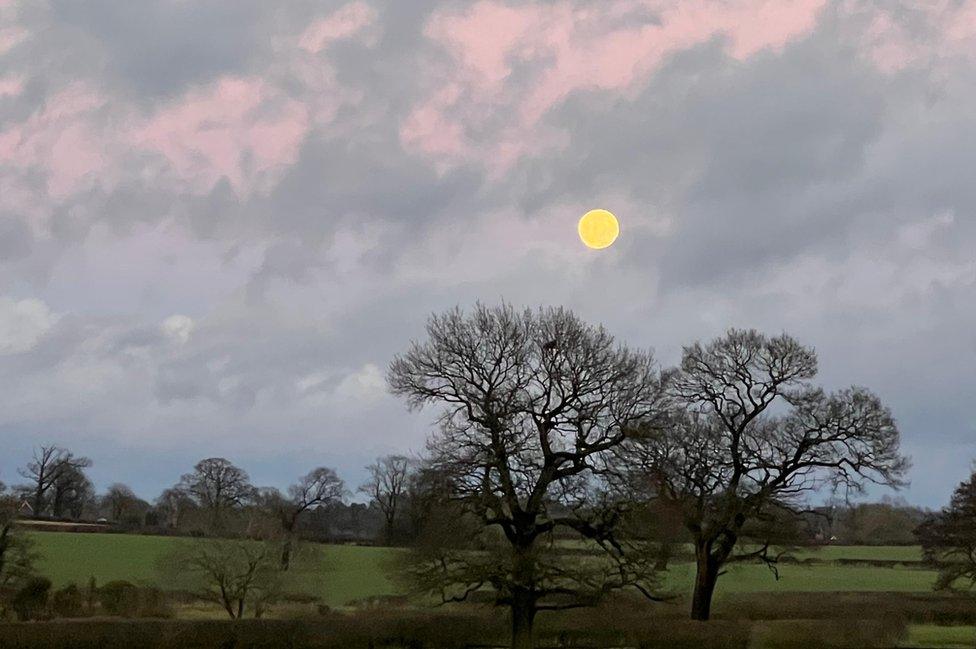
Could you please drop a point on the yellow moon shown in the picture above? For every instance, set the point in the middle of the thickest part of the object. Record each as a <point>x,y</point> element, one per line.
<point>598,229</point>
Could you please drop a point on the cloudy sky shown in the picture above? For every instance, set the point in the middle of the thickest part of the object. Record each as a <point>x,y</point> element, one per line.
<point>219,220</point>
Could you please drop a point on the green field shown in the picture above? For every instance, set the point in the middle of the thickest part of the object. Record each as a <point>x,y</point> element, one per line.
<point>337,573</point>
<point>340,574</point>
<point>748,578</point>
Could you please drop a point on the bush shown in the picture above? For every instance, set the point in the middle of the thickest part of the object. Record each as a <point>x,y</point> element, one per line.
<point>68,602</point>
<point>30,600</point>
<point>128,600</point>
<point>119,598</point>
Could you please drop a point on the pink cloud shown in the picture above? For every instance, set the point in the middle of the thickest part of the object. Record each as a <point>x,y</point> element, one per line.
<point>568,49</point>
<point>11,86</point>
<point>940,31</point>
<point>343,23</point>
<point>10,37</point>
<point>244,129</point>
<point>61,138</point>
<point>239,128</point>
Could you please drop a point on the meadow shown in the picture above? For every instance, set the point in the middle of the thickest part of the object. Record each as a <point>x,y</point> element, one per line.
<point>338,574</point>
<point>342,574</point>
<point>839,584</point>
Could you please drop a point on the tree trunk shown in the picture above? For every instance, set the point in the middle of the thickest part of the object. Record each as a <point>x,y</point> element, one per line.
<point>38,500</point>
<point>286,553</point>
<point>523,618</point>
<point>706,575</point>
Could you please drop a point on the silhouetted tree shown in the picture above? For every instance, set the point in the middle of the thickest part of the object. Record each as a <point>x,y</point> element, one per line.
<point>50,464</point>
<point>948,538</point>
<point>72,492</point>
<point>750,437</point>
<point>172,505</point>
<point>533,402</point>
<point>385,486</point>
<point>119,500</point>
<point>318,488</point>
<point>217,486</point>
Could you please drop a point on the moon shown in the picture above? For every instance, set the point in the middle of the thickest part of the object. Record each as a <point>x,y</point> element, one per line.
<point>598,229</point>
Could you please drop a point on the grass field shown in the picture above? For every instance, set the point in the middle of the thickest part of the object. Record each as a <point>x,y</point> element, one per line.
<point>337,573</point>
<point>340,574</point>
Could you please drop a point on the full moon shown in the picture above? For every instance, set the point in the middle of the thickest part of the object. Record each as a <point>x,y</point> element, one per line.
<point>598,229</point>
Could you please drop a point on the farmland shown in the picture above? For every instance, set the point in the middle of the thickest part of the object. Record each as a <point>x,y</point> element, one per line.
<point>841,584</point>
<point>341,574</point>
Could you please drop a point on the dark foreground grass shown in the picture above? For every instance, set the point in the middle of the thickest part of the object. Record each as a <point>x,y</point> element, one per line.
<point>423,630</point>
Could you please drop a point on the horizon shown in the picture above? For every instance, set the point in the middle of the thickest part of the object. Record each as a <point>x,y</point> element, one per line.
<point>219,222</point>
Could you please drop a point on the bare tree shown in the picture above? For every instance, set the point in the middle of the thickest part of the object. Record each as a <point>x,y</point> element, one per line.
<point>72,493</point>
<point>172,506</point>
<point>119,499</point>
<point>386,484</point>
<point>319,487</point>
<point>948,538</point>
<point>752,438</point>
<point>533,402</point>
<point>218,487</point>
<point>49,465</point>
<point>234,573</point>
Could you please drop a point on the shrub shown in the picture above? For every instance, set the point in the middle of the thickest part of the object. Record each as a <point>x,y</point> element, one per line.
<point>119,598</point>
<point>67,602</point>
<point>128,600</point>
<point>30,600</point>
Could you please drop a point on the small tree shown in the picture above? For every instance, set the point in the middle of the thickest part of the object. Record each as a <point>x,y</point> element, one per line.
<point>533,404</point>
<point>386,486</point>
<point>750,438</point>
<point>235,573</point>
<point>320,487</point>
<point>948,538</point>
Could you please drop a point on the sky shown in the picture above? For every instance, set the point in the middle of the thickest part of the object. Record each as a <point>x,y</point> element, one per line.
<point>220,220</point>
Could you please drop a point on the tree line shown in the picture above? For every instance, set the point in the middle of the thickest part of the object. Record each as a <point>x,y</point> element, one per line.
<point>566,465</point>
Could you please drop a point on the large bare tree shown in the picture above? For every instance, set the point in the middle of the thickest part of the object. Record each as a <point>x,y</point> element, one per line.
<point>533,402</point>
<point>218,487</point>
<point>119,500</point>
<point>750,438</point>
<point>53,469</point>
<point>386,486</point>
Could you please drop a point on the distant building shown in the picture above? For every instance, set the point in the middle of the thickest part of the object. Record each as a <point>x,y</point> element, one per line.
<point>25,509</point>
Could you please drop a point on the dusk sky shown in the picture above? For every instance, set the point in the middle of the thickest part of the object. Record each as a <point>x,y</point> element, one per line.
<point>220,220</point>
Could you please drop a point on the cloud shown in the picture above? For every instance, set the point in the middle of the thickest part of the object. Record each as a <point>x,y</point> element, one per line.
<point>22,324</point>
<point>219,221</point>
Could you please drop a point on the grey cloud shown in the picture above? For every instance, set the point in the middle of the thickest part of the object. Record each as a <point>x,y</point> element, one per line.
<point>798,187</point>
<point>16,238</point>
<point>157,48</point>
